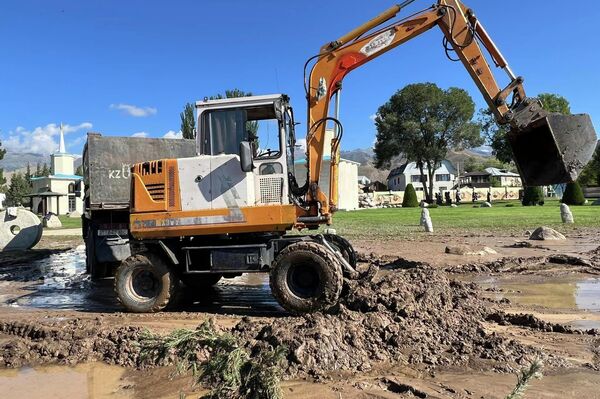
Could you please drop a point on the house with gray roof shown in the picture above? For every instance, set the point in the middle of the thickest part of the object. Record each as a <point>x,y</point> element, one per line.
<point>409,173</point>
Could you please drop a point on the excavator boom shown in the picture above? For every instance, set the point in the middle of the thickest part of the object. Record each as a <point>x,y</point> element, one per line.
<point>547,148</point>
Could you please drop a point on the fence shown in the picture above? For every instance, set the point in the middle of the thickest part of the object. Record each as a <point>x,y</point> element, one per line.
<point>382,198</point>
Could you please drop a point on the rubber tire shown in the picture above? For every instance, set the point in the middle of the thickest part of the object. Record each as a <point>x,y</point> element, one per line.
<point>200,281</point>
<point>344,246</point>
<point>168,284</point>
<point>324,263</point>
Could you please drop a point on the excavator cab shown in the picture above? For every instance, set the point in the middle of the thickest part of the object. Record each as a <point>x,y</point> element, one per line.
<point>550,148</point>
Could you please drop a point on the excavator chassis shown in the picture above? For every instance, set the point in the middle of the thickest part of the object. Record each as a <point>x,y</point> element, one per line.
<point>306,273</point>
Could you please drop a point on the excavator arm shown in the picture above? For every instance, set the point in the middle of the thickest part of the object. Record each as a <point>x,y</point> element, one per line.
<point>465,35</point>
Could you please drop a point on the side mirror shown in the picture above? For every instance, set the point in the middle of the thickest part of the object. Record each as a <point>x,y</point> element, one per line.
<point>246,156</point>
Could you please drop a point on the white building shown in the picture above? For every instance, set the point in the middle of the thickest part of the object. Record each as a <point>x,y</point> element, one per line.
<point>347,177</point>
<point>409,173</point>
<point>62,192</point>
<point>504,177</point>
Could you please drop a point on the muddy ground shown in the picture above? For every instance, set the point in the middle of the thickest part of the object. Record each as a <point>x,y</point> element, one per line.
<point>430,324</point>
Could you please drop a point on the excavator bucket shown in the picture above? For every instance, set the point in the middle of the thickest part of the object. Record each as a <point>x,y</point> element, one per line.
<point>553,149</point>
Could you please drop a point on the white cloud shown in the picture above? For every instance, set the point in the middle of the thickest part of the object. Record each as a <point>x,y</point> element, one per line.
<point>172,134</point>
<point>140,134</point>
<point>41,140</point>
<point>134,110</point>
<point>301,145</point>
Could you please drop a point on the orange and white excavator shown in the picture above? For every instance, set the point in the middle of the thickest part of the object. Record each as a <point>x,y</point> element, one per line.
<point>226,211</point>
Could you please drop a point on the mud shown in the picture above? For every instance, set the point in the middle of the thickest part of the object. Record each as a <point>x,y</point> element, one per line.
<point>528,320</point>
<point>413,330</point>
<point>68,342</point>
<point>415,317</point>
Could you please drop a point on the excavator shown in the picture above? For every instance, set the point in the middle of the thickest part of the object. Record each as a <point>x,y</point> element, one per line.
<point>228,210</point>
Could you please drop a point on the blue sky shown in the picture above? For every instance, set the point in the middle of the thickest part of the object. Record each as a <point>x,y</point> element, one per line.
<point>127,67</point>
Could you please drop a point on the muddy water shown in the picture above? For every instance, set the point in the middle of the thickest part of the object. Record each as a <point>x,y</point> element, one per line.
<point>61,283</point>
<point>91,380</point>
<point>563,294</point>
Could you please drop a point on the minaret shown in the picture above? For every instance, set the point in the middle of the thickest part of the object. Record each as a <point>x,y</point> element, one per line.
<point>62,163</point>
<point>61,146</point>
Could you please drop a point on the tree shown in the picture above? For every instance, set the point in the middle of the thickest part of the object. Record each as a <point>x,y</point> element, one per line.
<point>533,196</point>
<point>188,122</point>
<point>251,126</point>
<point>38,170</point>
<point>17,190</point>
<point>79,171</point>
<point>410,197</point>
<point>2,178</point>
<point>590,175</point>
<point>573,194</point>
<point>45,170</point>
<point>477,164</point>
<point>28,176</point>
<point>496,134</point>
<point>555,103</point>
<point>423,122</point>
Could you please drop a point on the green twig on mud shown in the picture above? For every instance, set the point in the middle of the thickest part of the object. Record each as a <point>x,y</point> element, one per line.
<point>534,371</point>
<point>218,361</point>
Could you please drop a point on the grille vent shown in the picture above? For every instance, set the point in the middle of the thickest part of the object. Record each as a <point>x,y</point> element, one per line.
<point>171,186</point>
<point>270,190</point>
<point>156,191</point>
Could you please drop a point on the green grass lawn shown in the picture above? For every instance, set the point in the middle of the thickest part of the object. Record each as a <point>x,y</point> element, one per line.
<point>70,223</point>
<point>395,222</point>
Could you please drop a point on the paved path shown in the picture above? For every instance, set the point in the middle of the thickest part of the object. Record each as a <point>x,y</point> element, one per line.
<point>62,232</point>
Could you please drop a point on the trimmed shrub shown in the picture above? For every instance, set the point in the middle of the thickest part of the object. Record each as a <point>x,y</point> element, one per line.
<point>573,194</point>
<point>533,196</point>
<point>410,198</point>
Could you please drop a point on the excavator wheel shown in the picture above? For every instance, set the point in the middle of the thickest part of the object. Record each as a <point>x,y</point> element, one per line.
<point>306,277</point>
<point>145,284</point>
<point>344,246</point>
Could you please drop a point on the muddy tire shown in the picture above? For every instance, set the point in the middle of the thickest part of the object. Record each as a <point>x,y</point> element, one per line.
<point>344,246</point>
<point>145,284</point>
<point>200,281</point>
<point>306,277</point>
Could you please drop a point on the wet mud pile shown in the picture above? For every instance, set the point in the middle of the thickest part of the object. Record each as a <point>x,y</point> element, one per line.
<point>68,342</point>
<point>414,316</point>
<point>587,263</point>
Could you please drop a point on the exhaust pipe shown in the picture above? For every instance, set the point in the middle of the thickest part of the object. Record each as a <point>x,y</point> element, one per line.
<point>550,148</point>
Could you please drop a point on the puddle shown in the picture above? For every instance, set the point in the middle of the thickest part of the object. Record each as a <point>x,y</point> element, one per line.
<point>63,284</point>
<point>562,294</point>
<point>91,380</point>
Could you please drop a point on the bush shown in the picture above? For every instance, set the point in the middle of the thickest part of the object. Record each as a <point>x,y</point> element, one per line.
<point>410,198</point>
<point>533,196</point>
<point>573,194</point>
